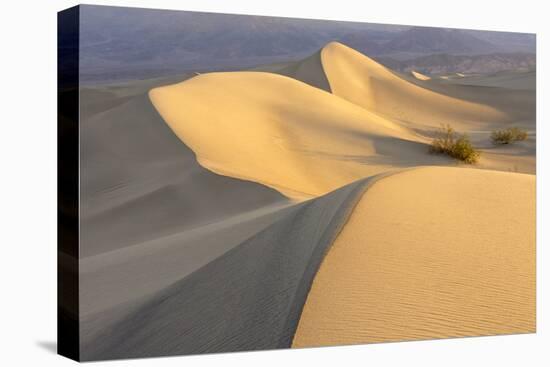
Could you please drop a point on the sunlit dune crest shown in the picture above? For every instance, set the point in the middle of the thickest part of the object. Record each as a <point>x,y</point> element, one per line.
<point>316,196</point>
<point>429,253</point>
<point>283,133</point>
<point>305,140</point>
<point>361,80</point>
<point>419,76</point>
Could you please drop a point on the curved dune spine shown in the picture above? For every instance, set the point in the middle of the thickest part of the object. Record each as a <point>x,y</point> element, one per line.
<point>434,252</point>
<point>250,298</point>
<point>363,81</point>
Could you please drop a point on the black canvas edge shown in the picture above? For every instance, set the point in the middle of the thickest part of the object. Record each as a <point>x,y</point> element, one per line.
<point>68,39</point>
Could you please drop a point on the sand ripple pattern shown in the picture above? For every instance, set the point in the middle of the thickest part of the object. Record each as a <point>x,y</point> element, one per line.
<point>251,298</point>
<point>429,253</point>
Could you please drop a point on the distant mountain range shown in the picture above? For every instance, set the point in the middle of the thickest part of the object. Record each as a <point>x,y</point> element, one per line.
<point>470,64</point>
<point>417,41</point>
<point>421,40</point>
<point>119,43</point>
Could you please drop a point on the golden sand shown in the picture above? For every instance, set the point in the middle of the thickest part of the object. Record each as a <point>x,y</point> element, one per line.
<point>304,141</point>
<point>361,80</point>
<point>288,135</point>
<point>420,76</point>
<point>429,253</point>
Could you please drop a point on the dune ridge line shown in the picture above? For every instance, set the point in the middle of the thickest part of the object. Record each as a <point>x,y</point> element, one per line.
<point>448,235</point>
<point>265,279</point>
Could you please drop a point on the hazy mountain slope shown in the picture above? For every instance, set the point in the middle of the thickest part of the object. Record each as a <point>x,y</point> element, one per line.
<point>431,40</point>
<point>125,43</point>
<point>468,64</point>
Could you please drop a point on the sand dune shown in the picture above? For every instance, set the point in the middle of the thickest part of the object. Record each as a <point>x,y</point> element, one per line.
<point>306,142</point>
<point>150,214</point>
<point>470,104</point>
<point>420,76</point>
<point>429,253</point>
<point>139,182</point>
<point>381,90</point>
<point>190,243</point>
<point>309,139</point>
<point>248,299</point>
<point>299,133</point>
<point>129,273</point>
<point>115,283</point>
<point>359,79</point>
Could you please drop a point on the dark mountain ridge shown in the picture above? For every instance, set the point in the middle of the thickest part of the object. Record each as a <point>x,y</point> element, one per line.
<point>129,43</point>
<point>468,64</point>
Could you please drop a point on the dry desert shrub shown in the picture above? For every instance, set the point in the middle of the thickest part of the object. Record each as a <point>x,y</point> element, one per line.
<point>449,142</point>
<point>508,136</point>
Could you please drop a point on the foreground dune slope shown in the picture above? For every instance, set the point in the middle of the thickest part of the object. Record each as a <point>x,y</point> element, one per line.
<point>284,134</point>
<point>250,298</point>
<point>429,253</point>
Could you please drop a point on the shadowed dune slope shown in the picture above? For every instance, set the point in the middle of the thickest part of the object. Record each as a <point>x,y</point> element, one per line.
<point>140,182</point>
<point>309,71</point>
<point>115,283</point>
<point>431,252</point>
<point>248,299</point>
<point>126,275</point>
<point>190,244</point>
<point>285,134</point>
<point>150,214</point>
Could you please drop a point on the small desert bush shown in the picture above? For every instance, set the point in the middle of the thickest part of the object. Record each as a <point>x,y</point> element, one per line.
<point>447,141</point>
<point>508,136</point>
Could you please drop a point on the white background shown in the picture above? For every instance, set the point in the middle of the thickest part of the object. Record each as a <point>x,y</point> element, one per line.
<point>28,182</point>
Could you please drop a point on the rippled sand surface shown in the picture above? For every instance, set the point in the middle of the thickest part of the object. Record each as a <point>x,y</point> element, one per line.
<point>204,226</point>
<point>429,253</point>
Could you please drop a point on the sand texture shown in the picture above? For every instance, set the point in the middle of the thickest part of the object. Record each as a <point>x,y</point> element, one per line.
<point>150,214</point>
<point>212,203</point>
<point>372,122</point>
<point>250,298</point>
<point>141,183</point>
<point>297,133</point>
<point>429,253</point>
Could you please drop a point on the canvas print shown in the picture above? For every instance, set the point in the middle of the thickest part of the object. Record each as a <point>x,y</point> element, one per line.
<point>236,183</point>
